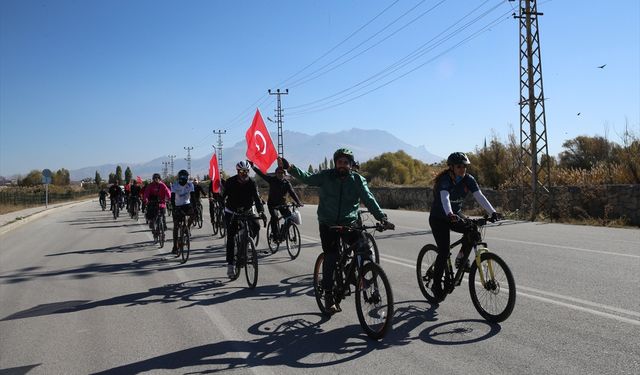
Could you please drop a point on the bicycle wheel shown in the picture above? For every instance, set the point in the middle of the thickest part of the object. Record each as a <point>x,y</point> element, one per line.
<point>185,242</point>
<point>374,301</point>
<point>222,228</point>
<point>251,265</point>
<point>317,285</point>
<point>116,212</point>
<point>495,299</point>
<point>273,244</point>
<point>293,240</point>
<point>373,247</point>
<point>199,218</point>
<point>424,271</point>
<point>135,212</point>
<point>239,260</point>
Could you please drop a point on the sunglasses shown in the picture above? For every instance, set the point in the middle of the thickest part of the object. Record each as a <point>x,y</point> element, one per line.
<point>243,171</point>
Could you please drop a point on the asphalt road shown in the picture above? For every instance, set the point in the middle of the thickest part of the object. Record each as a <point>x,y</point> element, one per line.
<point>81,293</point>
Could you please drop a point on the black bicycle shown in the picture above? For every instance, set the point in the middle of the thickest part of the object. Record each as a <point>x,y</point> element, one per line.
<point>355,267</point>
<point>364,216</point>
<point>184,238</point>
<point>246,255</point>
<point>197,208</point>
<point>115,210</point>
<point>134,208</point>
<point>103,203</point>
<point>287,232</point>
<point>491,284</point>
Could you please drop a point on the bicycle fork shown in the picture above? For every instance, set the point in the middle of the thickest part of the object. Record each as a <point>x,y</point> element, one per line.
<point>489,265</point>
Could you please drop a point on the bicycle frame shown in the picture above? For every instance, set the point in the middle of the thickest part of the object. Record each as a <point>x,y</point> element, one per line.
<point>478,247</point>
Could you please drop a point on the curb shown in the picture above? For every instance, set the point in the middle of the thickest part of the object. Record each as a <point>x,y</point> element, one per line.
<point>21,220</point>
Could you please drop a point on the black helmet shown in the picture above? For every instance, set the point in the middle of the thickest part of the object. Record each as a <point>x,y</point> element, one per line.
<point>458,158</point>
<point>343,152</point>
<point>183,177</point>
<point>156,175</point>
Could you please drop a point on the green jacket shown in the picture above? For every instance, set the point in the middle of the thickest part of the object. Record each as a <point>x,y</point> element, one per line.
<point>339,197</point>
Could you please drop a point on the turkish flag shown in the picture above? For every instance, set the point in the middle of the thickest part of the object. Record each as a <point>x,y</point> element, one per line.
<point>260,149</point>
<point>214,174</point>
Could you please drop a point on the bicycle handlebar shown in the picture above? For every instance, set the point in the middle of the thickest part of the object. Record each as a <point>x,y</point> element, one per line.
<point>347,228</point>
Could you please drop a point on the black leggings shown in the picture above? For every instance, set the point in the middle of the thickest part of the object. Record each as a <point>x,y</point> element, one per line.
<point>440,228</point>
<point>331,248</point>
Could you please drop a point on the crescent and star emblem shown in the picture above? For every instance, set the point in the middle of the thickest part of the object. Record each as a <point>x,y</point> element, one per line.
<point>257,134</point>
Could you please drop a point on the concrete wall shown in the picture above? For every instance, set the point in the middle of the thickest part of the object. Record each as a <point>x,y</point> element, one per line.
<point>603,202</point>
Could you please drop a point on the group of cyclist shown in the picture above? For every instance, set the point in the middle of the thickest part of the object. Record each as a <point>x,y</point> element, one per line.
<point>341,190</point>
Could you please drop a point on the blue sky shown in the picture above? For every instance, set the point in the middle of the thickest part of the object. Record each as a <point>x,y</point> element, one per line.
<point>91,82</point>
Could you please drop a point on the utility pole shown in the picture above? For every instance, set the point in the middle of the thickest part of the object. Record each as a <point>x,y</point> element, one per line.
<point>171,157</point>
<point>219,149</point>
<point>188,159</point>
<point>279,119</point>
<point>165,165</point>
<point>534,152</point>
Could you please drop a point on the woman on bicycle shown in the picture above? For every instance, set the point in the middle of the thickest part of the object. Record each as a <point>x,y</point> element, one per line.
<point>449,190</point>
<point>156,194</point>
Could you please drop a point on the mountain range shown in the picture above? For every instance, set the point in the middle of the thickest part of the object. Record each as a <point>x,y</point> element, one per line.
<point>299,148</point>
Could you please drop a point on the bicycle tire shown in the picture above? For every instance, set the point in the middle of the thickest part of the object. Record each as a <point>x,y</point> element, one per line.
<point>273,244</point>
<point>424,271</point>
<point>199,218</point>
<point>374,301</point>
<point>294,242</point>
<point>251,264</point>
<point>491,291</point>
<point>222,226</point>
<point>373,246</point>
<point>317,285</point>
<point>214,224</point>
<point>185,242</point>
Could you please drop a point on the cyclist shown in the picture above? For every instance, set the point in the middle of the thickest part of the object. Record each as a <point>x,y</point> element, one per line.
<point>449,190</point>
<point>340,190</point>
<point>215,199</point>
<point>156,195</point>
<point>103,196</point>
<point>114,194</point>
<point>181,191</point>
<point>240,191</point>
<point>134,195</point>
<point>145,183</point>
<point>279,187</point>
<point>197,192</point>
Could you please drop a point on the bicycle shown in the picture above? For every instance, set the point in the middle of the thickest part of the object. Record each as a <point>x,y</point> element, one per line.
<point>213,214</point>
<point>197,208</point>
<point>159,226</point>
<point>184,239</point>
<point>115,208</point>
<point>135,208</point>
<point>103,203</point>
<point>246,255</point>
<point>287,232</point>
<point>488,271</point>
<point>371,241</point>
<point>374,297</point>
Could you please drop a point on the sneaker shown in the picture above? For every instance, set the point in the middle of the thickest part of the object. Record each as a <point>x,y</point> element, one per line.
<point>438,293</point>
<point>330,305</point>
<point>231,270</point>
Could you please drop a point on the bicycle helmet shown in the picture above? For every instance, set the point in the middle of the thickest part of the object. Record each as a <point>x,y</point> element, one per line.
<point>156,175</point>
<point>242,165</point>
<point>458,158</point>
<point>183,177</point>
<point>343,152</point>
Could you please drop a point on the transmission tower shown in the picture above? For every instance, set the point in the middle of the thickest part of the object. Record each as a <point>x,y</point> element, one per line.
<point>534,153</point>
<point>188,159</point>
<point>165,165</point>
<point>219,149</point>
<point>171,157</point>
<point>279,119</point>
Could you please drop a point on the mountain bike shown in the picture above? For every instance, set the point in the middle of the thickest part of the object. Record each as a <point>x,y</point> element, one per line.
<point>197,208</point>
<point>491,284</point>
<point>363,215</point>
<point>159,225</point>
<point>246,255</point>
<point>103,203</point>
<point>355,267</point>
<point>184,238</point>
<point>216,211</point>
<point>135,208</point>
<point>287,232</point>
<point>115,210</point>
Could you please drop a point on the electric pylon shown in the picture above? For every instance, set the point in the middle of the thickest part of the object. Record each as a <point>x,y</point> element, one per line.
<point>188,159</point>
<point>171,157</point>
<point>279,119</point>
<point>219,149</point>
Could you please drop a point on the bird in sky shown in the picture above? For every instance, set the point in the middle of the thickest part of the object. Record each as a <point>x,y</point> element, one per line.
<point>602,66</point>
<point>578,114</point>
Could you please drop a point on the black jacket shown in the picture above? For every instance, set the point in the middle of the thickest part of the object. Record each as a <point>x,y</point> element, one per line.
<point>278,189</point>
<point>238,195</point>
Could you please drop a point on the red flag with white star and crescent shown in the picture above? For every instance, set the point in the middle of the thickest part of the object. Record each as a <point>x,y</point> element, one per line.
<point>214,174</point>
<point>260,149</point>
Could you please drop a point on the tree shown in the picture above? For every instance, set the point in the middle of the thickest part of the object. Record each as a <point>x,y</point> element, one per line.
<point>331,165</point>
<point>398,168</point>
<point>112,178</point>
<point>584,152</point>
<point>127,175</point>
<point>310,169</point>
<point>97,179</point>
<point>32,179</point>
<point>118,176</point>
<point>61,177</point>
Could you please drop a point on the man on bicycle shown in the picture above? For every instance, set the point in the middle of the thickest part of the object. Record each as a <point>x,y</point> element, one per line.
<point>103,196</point>
<point>279,187</point>
<point>341,191</point>
<point>181,191</point>
<point>197,192</point>
<point>240,192</point>
<point>156,194</point>
<point>450,188</point>
<point>115,193</point>
<point>134,195</point>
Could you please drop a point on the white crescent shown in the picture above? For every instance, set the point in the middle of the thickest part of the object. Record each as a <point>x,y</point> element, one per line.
<point>264,141</point>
